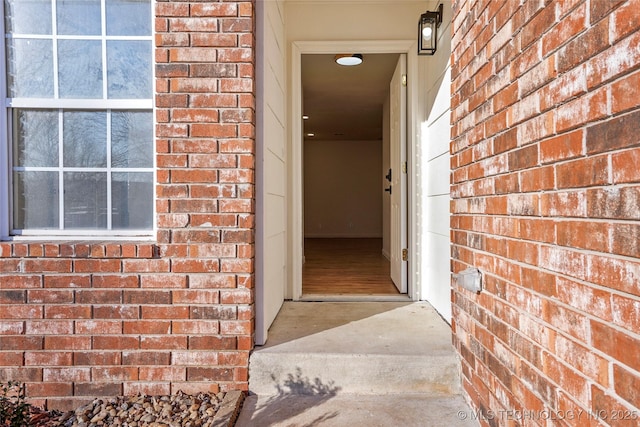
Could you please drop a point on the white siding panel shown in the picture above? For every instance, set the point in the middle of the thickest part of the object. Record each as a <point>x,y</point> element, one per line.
<point>273,50</point>
<point>275,275</point>
<point>276,142</point>
<point>436,264</point>
<point>437,215</point>
<point>276,184</point>
<point>275,93</point>
<point>274,215</point>
<point>435,248</point>
<point>438,170</point>
<point>439,95</point>
<point>439,120</point>
<point>271,167</point>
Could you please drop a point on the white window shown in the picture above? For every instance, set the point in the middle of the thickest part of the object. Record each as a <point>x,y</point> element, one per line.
<point>77,90</point>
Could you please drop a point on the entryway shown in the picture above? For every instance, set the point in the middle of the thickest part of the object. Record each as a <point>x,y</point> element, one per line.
<point>286,31</point>
<point>322,362</point>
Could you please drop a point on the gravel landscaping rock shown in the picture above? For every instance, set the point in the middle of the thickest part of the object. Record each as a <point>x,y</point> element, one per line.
<point>179,410</point>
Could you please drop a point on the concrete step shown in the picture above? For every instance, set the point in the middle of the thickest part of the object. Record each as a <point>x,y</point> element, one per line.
<point>353,373</point>
<point>409,410</point>
<point>356,348</point>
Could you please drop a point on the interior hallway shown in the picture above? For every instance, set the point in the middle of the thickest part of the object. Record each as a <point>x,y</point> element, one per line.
<point>346,267</point>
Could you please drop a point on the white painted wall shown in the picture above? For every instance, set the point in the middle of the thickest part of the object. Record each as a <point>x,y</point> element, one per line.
<point>271,165</point>
<point>342,196</point>
<point>434,162</point>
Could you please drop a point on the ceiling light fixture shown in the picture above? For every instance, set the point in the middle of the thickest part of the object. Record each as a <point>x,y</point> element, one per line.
<point>348,59</point>
<point>428,31</point>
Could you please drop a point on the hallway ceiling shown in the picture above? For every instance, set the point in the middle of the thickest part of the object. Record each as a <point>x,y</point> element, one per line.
<point>345,103</point>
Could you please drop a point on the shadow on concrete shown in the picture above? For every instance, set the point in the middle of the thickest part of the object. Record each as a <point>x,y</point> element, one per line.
<point>280,407</point>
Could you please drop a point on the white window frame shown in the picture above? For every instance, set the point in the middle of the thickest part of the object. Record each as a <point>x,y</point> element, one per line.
<point>56,104</point>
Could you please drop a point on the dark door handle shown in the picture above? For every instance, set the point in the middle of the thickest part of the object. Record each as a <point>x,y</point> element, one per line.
<point>388,176</point>
<point>388,189</point>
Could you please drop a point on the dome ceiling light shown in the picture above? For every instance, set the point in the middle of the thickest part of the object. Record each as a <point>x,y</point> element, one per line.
<point>348,59</point>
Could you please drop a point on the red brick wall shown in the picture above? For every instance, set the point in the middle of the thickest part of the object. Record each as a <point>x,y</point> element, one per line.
<point>546,202</point>
<point>78,319</point>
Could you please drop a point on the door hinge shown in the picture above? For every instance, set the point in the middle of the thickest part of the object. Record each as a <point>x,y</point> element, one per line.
<point>405,254</point>
<point>404,167</point>
<point>404,80</point>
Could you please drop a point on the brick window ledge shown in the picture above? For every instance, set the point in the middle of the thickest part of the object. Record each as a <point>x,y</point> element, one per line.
<point>79,249</point>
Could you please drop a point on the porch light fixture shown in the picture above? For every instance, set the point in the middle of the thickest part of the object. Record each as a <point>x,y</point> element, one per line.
<point>428,31</point>
<point>348,59</point>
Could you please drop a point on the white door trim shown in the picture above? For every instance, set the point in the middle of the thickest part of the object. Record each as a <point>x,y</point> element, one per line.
<point>295,225</point>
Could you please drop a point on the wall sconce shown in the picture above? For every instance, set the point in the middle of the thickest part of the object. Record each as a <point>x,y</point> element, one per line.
<point>428,31</point>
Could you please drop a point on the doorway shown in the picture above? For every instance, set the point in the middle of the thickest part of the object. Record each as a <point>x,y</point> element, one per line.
<point>354,136</point>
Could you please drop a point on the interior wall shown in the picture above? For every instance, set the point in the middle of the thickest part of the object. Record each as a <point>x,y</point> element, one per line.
<point>342,189</point>
<point>271,166</point>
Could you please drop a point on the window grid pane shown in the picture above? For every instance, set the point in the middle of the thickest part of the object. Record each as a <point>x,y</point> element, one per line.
<point>32,16</point>
<point>30,68</point>
<point>80,69</point>
<point>36,206</point>
<point>68,12</point>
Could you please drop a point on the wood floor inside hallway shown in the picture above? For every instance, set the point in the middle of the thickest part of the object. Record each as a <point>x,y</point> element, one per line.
<point>346,267</point>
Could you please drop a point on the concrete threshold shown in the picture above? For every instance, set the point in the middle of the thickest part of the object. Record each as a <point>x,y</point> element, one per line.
<point>354,298</point>
<point>373,327</point>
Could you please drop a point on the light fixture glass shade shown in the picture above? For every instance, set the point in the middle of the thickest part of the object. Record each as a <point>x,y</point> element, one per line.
<point>349,59</point>
<point>428,31</point>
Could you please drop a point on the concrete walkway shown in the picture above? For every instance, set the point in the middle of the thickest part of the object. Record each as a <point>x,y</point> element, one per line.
<point>356,364</point>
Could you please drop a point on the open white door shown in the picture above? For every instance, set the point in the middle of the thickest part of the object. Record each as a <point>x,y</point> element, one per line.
<point>398,161</point>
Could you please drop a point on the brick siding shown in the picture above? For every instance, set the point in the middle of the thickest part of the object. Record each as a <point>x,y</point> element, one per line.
<point>86,319</point>
<point>546,202</point>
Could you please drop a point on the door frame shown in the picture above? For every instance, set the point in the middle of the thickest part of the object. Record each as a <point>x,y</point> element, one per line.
<point>295,218</point>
